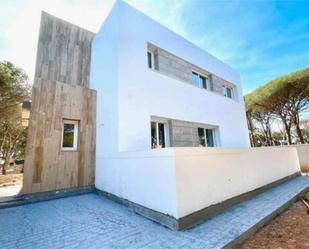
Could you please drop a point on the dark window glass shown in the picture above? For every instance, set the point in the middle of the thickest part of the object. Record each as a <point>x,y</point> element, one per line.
<point>228,92</point>
<point>161,135</point>
<point>68,136</point>
<point>195,79</point>
<point>201,135</point>
<point>153,135</point>
<point>211,83</point>
<point>210,138</point>
<point>149,57</point>
<point>204,82</point>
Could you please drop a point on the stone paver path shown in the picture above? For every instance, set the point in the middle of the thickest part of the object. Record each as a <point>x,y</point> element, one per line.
<point>91,221</point>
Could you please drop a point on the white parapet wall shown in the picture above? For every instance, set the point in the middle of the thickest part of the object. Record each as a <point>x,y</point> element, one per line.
<point>303,155</point>
<point>182,181</point>
<point>209,176</point>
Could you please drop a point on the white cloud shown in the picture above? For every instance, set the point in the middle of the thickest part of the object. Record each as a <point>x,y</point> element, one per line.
<point>20,27</point>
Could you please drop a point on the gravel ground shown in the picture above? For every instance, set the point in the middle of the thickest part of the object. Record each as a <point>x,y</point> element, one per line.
<point>287,231</point>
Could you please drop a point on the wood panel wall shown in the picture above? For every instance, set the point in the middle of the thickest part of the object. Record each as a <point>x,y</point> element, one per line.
<point>60,91</point>
<point>63,52</point>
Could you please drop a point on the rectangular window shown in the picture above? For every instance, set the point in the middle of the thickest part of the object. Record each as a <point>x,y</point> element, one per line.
<point>150,60</point>
<point>227,92</point>
<point>199,80</point>
<point>69,140</point>
<point>206,137</point>
<point>159,135</point>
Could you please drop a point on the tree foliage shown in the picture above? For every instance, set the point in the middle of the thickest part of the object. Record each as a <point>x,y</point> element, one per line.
<point>14,89</point>
<point>285,97</point>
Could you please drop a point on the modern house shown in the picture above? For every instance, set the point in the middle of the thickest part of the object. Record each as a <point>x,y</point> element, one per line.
<point>145,116</point>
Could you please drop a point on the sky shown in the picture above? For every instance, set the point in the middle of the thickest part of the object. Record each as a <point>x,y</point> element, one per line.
<point>262,39</point>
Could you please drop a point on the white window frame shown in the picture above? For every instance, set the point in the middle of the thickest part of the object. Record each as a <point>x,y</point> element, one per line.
<point>75,137</point>
<point>224,90</point>
<point>214,135</point>
<point>200,80</point>
<point>166,132</point>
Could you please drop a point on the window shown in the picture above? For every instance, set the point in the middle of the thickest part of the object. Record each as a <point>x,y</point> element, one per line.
<point>227,92</point>
<point>159,135</point>
<point>69,140</point>
<point>206,137</point>
<point>199,80</point>
<point>150,59</point>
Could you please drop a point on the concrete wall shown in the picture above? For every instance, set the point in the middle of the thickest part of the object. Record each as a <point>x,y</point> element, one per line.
<point>303,156</point>
<point>181,181</point>
<point>185,134</point>
<point>129,93</point>
<point>207,176</point>
<point>144,177</point>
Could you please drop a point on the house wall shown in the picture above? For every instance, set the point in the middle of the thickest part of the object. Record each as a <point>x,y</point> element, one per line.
<point>185,134</point>
<point>63,52</point>
<point>192,178</point>
<point>207,176</point>
<point>47,167</point>
<point>143,92</point>
<point>178,68</point>
<point>303,155</point>
<point>60,92</point>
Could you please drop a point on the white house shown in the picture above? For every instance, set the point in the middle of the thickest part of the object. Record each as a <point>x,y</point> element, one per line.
<point>145,116</point>
<point>155,89</point>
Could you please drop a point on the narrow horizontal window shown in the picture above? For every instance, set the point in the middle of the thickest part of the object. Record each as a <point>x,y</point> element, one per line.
<point>69,139</point>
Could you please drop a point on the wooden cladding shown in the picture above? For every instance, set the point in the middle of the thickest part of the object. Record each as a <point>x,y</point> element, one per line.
<point>47,167</point>
<point>64,52</point>
<point>60,92</point>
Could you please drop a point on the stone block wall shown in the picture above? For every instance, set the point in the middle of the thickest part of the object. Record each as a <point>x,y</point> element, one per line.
<point>173,66</point>
<point>180,69</point>
<point>184,133</point>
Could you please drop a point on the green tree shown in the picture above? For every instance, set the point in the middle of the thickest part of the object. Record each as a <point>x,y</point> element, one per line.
<point>285,97</point>
<point>14,89</point>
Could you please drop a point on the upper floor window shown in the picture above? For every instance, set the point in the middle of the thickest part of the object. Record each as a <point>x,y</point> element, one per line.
<point>200,80</point>
<point>227,91</point>
<point>150,59</point>
<point>206,137</point>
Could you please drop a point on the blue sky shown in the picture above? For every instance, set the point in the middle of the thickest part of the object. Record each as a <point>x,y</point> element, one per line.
<point>261,39</point>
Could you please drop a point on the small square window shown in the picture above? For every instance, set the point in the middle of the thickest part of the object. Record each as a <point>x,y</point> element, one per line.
<point>69,138</point>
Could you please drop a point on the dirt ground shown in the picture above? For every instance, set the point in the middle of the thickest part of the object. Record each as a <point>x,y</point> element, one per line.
<point>287,231</point>
<point>10,180</point>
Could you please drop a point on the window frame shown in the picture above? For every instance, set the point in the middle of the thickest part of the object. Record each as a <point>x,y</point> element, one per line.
<point>214,136</point>
<point>75,136</point>
<point>200,75</point>
<point>158,121</point>
<point>224,91</point>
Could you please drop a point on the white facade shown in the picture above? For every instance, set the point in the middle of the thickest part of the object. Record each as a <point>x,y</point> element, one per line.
<point>174,181</point>
<point>129,93</point>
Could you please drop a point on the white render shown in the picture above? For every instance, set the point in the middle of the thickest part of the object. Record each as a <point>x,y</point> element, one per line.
<point>129,93</point>
<point>174,181</point>
<point>181,181</point>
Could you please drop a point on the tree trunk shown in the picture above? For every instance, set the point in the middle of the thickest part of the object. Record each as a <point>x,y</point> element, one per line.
<point>299,134</point>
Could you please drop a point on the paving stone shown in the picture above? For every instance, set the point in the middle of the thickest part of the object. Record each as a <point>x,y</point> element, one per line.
<point>92,221</point>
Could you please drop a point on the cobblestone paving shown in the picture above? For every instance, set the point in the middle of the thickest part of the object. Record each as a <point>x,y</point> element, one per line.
<point>91,221</point>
